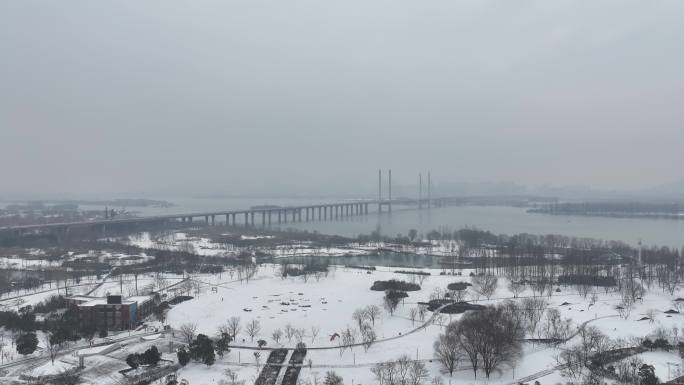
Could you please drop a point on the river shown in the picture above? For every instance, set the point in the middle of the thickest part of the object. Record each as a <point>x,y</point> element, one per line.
<point>498,219</point>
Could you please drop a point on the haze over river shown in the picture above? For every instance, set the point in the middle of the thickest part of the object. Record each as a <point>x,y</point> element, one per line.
<point>498,219</point>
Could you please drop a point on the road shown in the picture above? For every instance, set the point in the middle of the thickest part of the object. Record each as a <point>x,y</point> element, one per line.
<point>35,359</point>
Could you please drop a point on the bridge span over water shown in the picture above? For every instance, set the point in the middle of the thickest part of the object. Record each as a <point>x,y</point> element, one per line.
<point>264,215</point>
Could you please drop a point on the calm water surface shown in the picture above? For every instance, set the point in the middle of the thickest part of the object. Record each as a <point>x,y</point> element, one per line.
<point>500,220</point>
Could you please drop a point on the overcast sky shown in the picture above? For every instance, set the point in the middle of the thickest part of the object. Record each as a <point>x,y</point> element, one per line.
<point>245,96</point>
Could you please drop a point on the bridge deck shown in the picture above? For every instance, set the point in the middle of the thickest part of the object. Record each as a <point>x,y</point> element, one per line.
<point>157,218</point>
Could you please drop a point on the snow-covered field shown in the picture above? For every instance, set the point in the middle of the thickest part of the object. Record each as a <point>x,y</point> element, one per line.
<point>322,305</point>
<point>33,260</point>
<point>179,241</point>
<point>330,302</point>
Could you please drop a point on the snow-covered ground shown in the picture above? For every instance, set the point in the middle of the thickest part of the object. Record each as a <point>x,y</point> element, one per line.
<point>330,301</point>
<point>49,368</point>
<point>180,241</point>
<point>325,302</point>
<point>33,261</point>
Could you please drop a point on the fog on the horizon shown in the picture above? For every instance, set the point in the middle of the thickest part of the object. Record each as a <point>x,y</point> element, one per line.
<point>252,96</point>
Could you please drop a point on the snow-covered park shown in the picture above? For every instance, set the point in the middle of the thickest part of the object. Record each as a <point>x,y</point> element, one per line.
<point>322,307</point>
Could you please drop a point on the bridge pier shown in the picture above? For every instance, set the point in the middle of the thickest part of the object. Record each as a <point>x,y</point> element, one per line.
<point>269,217</point>
<point>251,214</point>
<point>299,215</point>
<point>263,218</point>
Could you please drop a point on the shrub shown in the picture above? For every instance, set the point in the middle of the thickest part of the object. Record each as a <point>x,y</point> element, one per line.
<point>458,286</point>
<point>183,356</point>
<point>150,357</point>
<point>394,285</point>
<point>202,349</point>
<point>132,360</point>
<point>26,343</point>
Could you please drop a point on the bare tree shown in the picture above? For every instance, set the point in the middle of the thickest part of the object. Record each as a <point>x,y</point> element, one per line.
<point>289,332</point>
<point>391,300</point>
<point>532,310</point>
<point>555,327</point>
<point>418,374</point>
<point>385,373</point>
<point>233,327</point>
<point>348,337</point>
<point>490,337</point>
<point>571,363</point>
<point>516,288</point>
<point>422,312</point>
<point>459,295</point>
<point>422,278</point>
<point>53,344</point>
<point>300,333</point>
<point>575,360</point>
<point>373,312</point>
<point>413,314</point>
<point>314,333</point>
<point>253,328</point>
<point>402,371</point>
<point>448,349</point>
<point>485,285</point>
<point>624,310</point>
<point>276,335</point>
<point>232,377</point>
<point>368,335</point>
<point>159,281</point>
<point>359,316</point>
<point>188,331</point>
<point>632,290</point>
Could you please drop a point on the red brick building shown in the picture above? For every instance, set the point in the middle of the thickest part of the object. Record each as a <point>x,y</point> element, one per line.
<point>112,312</point>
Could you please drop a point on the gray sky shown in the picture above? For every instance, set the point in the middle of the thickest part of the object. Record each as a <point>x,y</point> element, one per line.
<point>244,96</point>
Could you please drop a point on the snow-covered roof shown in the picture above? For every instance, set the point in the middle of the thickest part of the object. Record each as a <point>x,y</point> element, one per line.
<point>140,298</point>
<point>94,301</point>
